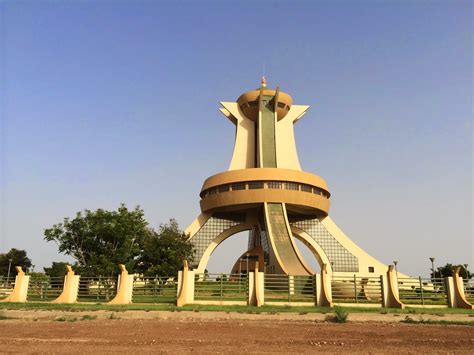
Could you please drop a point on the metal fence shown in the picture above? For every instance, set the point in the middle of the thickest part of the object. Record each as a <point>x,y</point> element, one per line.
<point>283,288</point>
<point>154,289</point>
<point>469,290</point>
<point>97,289</point>
<point>223,287</point>
<point>422,291</point>
<point>6,286</point>
<point>347,289</point>
<point>45,288</point>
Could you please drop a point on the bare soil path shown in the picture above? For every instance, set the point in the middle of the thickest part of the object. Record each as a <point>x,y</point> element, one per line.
<point>212,332</point>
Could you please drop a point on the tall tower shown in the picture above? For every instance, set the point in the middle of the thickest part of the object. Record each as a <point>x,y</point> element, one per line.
<point>266,192</point>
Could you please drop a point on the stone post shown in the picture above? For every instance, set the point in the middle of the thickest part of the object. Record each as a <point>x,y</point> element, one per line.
<point>20,291</point>
<point>455,291</point>
<point>185,292</point>
<point>124,288</point>
<point>390,298</point>
<point>70,288</point>
<point>325,294</point>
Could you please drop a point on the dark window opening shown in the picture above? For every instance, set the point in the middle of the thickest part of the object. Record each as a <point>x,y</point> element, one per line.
<point>238,186</point>
<point>256,185</point>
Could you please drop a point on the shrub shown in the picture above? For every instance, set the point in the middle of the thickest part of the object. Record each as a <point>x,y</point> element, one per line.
<point>340,315</point>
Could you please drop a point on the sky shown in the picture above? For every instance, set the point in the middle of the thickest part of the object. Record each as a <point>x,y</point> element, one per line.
<point>104,102</point>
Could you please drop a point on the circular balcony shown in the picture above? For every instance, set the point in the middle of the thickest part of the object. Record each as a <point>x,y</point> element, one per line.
<point>240,189</point>
<point>248,103</point>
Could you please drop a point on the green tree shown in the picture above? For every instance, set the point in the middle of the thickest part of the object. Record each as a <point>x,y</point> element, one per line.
<point>57,269</point>
<point>100,240</point>
<point>162,252</point>
<point>447,270</point>
<point>18,258</point>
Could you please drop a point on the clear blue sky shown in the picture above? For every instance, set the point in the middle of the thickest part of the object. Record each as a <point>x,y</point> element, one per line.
<point>103,102</point>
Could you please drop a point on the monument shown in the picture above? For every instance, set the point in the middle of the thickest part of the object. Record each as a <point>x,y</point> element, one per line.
<point>266,192</point>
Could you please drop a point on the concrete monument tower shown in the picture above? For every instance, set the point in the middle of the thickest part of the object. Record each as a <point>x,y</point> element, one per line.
<point>266,192</point>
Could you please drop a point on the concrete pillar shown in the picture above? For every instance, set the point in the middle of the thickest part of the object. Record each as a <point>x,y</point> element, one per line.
<point>455,291</point>
<point>70,288</point>
<point>256,287</point>
<point>124,288</point>
<point>291,285</point>
<point>325,294</point>
<point>252,297</point>
<point>317,288</point>
<point>20,291</point>
<point>185,292</point>
<point>390,296</point>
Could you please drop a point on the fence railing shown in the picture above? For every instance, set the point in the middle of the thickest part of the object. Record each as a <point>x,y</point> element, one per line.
<point>223,287</point>
<point>97,289</point>
<point>6,286</point>
<point>283,288</point>
<point>235,287</point>
<point>347,289</point>
<point>469,290</point>
<point>422,291</point>
<point>154,289</point>
<point>45,288</point>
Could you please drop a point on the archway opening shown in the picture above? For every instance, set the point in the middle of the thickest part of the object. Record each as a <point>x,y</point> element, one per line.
<point>308,256</point>
<point>226,254</point>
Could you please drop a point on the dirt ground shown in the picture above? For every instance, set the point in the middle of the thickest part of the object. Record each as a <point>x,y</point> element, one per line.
<point>211,332</point>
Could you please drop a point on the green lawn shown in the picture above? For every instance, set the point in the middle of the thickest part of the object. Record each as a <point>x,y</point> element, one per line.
<point>215,308</point>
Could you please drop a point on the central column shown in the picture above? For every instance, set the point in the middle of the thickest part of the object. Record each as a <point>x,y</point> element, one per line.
<point>266,132</point>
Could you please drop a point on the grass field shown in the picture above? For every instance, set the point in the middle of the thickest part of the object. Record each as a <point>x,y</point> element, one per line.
<point>216,308</point>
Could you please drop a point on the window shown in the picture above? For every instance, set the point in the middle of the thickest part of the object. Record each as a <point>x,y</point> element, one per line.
<point>291,186</point>
<point>371,269</point>
<point>274,185</point>
<point>224,188</point>
<point>256,185</point>
<point>306,188</point>
<point>238,186</point>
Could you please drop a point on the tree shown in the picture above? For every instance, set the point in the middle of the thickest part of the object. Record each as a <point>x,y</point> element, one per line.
<point>100,240</point>
<point>57,269</point>
<point>162,252</point>
<point>447,270</point>
<point>18,258</point>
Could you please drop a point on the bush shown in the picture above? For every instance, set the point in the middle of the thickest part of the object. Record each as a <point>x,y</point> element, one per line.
<point>340,315</point>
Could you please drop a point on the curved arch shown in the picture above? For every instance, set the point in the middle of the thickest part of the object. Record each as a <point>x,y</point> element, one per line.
<point>315,248</point>
<point>217,241</point>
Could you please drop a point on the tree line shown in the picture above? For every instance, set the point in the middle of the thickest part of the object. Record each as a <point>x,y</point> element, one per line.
<point>100,240</point>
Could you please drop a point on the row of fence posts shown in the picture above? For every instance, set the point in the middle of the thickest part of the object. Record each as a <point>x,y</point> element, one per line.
<point>73,288</point>
<point>254,288</point>
<point>323,290</point>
